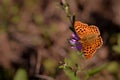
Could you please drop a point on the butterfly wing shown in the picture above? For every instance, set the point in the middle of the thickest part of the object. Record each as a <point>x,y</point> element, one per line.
<point>81,29</point>
<point>94,30</point>
<point>89,48</point>
<point>98,42</point>
<point>97,38</point>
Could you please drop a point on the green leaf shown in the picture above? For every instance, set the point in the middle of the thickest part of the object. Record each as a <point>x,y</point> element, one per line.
<point>96,70</point>
<point>21,74</point>
<point>113,67</point>
<point>50,65</point>
<point>116,48</point>
<point>71,74</point>
<point>118,41</point>
<point>68,62</point>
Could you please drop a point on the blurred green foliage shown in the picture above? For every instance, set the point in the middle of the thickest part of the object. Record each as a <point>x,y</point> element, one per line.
<point>72,67</point>
<point>71,74</point>
<point>5,74</point>
<point>113,67</point>
<point>50,65</point>
<point>21,74</point>
<point>116,47</point>
<point>96,70</point>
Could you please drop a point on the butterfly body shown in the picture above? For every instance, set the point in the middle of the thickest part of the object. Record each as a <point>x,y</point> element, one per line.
<point>89,38</point>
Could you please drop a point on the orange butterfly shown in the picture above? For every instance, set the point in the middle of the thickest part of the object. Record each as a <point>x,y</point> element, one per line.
<point>89,38</point>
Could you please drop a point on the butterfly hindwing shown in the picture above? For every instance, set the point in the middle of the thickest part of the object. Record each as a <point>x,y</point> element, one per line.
<point>88,50</point>
<point>98,42</point>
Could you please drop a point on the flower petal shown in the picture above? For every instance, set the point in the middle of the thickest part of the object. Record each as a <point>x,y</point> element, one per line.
<point>74,42</point>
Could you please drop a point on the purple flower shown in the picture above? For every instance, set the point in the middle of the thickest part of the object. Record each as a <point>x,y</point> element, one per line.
<point>78,46</point>
<point>74,42</point>
<point>74,36</point>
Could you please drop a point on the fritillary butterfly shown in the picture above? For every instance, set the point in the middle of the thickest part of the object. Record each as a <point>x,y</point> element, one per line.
<point>89,38</point>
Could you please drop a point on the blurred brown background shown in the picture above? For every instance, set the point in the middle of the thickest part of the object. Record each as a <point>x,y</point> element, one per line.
<point>34,36</point>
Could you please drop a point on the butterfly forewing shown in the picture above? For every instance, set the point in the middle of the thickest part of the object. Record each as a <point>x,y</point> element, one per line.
<point>81,29</point>
<point>94,30</point>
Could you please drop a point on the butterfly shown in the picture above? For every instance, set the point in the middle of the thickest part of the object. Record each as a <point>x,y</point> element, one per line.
<point>89,38</point>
